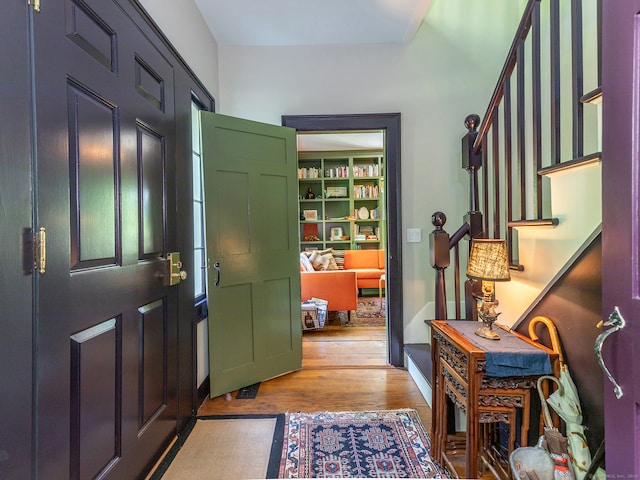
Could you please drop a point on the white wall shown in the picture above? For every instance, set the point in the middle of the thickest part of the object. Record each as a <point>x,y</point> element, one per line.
<point>185,28</point>
<point>544,251</point>
<point>447,72</point>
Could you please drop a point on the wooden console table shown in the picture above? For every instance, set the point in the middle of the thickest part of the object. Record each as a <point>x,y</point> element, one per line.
<point>489,380</point>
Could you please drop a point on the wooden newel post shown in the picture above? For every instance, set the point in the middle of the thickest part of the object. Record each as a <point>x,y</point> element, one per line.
<point>439,256</point>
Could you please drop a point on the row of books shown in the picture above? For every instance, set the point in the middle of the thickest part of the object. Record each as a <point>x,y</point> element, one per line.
<point>366,191</point>
<point>366,232</point>
<point>372,170</point>
<point>337,172</point>
<point>340,172</point>
<point>309,172</point>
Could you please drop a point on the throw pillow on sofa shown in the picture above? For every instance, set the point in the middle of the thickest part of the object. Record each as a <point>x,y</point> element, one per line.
<point>305,264</point>
<point>329,254</point>
<point>319,262</point>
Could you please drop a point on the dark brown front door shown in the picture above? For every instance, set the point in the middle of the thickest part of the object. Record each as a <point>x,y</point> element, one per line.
<point>105,190</point>
<point>620,232</point>
<point>15,222</point>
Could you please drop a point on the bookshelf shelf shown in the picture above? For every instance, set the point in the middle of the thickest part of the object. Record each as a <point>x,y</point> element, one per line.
<point>347,190</point>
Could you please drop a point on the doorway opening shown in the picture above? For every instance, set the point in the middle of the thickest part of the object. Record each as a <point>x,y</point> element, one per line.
<point>341,182</point>
<point>389,126</point>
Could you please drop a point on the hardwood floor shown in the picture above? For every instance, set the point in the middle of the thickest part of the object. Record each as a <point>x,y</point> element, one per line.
<point>343,368</point>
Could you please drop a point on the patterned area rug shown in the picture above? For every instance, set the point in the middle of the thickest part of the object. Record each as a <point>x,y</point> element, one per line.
<point>369,307</point>
<point>369,313</point>
<point>371,444</point>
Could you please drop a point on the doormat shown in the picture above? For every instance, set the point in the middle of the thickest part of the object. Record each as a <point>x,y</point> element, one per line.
<point>214,447</point>
<point>368,444</point>
<point>248,392</point>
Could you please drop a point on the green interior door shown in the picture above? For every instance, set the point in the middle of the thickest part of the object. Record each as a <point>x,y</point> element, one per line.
<point>253,287</point>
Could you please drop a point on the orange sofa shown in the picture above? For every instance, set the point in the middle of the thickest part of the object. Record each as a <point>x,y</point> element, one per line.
<point>338,287</point>
<point>367,264</point>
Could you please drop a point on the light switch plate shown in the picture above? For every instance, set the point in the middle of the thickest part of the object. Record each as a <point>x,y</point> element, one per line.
<point>413,235</point>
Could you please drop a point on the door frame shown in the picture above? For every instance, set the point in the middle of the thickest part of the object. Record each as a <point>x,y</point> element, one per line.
<point>390,123</point>
<point>620,224</point>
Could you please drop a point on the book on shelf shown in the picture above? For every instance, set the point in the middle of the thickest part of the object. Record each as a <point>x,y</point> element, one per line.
<point>366,230</point>
<point>366,191</point>
<point>341,171</point>
<point>366,170</point>
<point>309,172</point>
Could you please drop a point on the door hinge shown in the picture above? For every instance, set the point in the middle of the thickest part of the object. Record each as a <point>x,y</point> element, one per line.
<point>35,4</point>
<point>40,250</point>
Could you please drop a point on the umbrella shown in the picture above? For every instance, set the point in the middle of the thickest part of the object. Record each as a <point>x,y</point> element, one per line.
<point>553,441</point>
<point>566,403</point>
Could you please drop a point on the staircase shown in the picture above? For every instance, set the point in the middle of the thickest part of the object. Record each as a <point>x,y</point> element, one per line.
<point>534,168</point>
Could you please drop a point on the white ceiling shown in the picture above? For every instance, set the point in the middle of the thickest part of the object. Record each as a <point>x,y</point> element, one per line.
<point>312,22</point>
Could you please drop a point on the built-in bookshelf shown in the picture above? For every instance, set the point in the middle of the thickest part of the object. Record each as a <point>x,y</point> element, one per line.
<point>341,197</point>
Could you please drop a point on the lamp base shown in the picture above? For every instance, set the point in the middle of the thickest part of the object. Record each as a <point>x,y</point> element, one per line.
<point>487,332</point>
<point>487,312</point>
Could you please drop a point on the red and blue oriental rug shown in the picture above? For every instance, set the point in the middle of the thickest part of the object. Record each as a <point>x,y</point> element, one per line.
<point>370,444</point>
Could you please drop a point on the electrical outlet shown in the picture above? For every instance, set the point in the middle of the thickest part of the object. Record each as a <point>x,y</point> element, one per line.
<point>413,235</point>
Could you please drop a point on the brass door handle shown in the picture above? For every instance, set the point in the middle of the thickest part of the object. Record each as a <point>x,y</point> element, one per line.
<point>176,274</point>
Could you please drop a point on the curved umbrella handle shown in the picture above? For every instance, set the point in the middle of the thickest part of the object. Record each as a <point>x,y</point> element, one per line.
<point>553,334</point>
<point>617,322</point>
<point>548,422</point>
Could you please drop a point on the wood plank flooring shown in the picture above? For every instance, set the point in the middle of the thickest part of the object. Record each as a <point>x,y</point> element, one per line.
<point>343,368</point>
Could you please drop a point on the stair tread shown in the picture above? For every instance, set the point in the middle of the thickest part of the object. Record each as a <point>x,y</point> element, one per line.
<point>420,354</point>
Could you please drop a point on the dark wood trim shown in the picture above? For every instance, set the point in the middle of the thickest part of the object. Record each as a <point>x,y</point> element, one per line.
<point>522,147</point>
<point>540,222</point>
<point>507,69</point>
<point>390,123</point>
<point>485,189</point>
<point>536,93</point>
<point>495,147</point>
<point>577,78</point>
<point>555,140</point>
<point>508,160</point>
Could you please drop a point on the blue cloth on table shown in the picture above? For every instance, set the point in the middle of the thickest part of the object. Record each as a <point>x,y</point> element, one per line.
<point>508,357</point>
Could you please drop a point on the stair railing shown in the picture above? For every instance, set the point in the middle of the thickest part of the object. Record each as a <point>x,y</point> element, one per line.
<point>521,140</point>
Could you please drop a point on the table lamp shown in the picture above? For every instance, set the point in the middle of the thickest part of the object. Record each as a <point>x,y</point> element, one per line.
<point>489,262</point>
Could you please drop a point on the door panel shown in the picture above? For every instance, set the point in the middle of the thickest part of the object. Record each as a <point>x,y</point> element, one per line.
<point>621,231</point>
<point>93,427</point>
<point>106,170</point>
<point>93,185</point>
<point>250,180</point>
